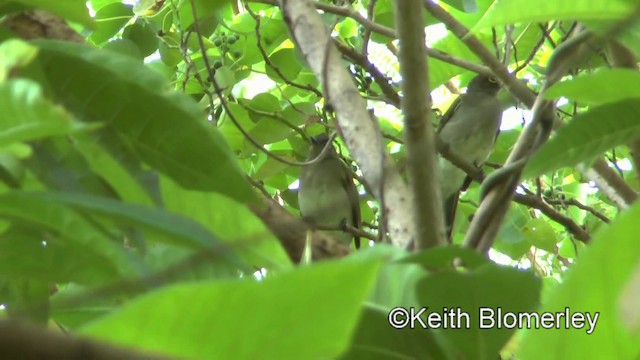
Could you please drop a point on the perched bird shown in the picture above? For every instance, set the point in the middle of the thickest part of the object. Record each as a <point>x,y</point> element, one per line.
<point>469,128</point>
<point>327,195</point>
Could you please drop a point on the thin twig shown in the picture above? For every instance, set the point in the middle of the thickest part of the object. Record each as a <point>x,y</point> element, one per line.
<point>578,232</point>
<point>579,205</point>
<point>367,31</point>
<point>378,76</point>
<point>268,62</point>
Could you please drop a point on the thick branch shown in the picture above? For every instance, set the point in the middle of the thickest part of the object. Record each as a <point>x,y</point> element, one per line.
<point>291,231</point>
<point>23,341</point>
<point>418,132</point>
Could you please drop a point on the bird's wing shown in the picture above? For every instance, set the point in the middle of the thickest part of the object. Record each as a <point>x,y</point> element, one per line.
<point>451,203</point>
<point>354,200</point>
<point>449,113</point>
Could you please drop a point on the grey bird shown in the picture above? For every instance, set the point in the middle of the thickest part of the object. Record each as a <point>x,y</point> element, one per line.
<point>469,128</point>
<point>327,195</point>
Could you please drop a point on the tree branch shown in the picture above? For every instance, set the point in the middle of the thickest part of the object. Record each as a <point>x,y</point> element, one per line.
<point>419,136</point>
<point>24,341</point>
<point>291,231</point>
<point>578,232</point>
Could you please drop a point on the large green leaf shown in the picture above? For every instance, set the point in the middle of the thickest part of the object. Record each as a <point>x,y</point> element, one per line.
<point>58,165</point>
<point>52,259</point>
<point>71,230</point>
<point>485,289</point>
<point>600,87</point>
<point>307,313</point>
<point>171,228</point>
<point>604,282</point>
<point>524,11</point>
<point>26,115</point>
<point>375,339</point>
<point>112,171</point>
<point>234,223</point>
<point>588,135</point>
<point>166,129</point>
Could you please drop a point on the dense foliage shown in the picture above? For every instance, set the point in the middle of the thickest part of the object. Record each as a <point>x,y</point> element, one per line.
<point>137,150</point>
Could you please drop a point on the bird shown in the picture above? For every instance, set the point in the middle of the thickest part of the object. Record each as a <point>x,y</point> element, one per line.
<point>327,195</point>
<point>469,129</point>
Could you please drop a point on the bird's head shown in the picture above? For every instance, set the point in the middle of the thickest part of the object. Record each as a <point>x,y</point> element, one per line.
<point>320,140</point>
<point>483,83</point>
<point>318,143</point>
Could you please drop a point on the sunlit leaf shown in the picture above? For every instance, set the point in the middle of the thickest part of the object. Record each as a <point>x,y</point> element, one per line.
<point>588,135</point>
<point>152,323</point>
<point>166,129</point>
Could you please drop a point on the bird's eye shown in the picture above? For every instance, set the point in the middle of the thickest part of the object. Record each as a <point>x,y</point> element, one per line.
<point>493,80</point>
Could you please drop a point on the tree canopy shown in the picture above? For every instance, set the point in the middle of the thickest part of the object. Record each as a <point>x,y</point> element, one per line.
<point>150,153</point>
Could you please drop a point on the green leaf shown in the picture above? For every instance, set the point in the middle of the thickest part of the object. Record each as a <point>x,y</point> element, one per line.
<point>171,56</point>
<point>232,222</point>
<point>600,87</point>
<point>71,236</point>
<point>180,320</point>
<point>396,281</point>
<point>586,136</point>
<point>206,10</point>
<point>540,234</point>
<point>509,240</point>
<point>112,171</point>
<point>173,229</point>
<point>230,131</point>
<point>264,102</point>
<point>58,165</point>
<point>26,299</point>
<point>442,257</point>
<point>605,281</point>
<point>98,4</point>
<point>288,64</point>
<point>166,129</point>
<point>124,47</point>
<point>15,53</point>
<point>269,130</point>
<point>469,6</point>
<point>525,11</point>
<point>72,10</point>
<point>12,170</point>
<point>143,34</point>
<point>375,339</point>
<point>487,288</point>
<point>109,21</point>
<point>26,115</point>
